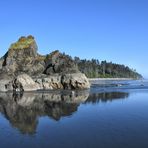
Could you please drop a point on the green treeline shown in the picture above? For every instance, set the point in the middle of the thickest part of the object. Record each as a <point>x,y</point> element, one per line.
<point>96,69</point>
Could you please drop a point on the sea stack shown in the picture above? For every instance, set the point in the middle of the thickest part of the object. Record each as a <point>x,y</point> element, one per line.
<point>22,68</point>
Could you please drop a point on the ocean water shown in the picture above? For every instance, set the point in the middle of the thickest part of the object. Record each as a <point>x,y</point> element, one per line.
<point>112,114</point>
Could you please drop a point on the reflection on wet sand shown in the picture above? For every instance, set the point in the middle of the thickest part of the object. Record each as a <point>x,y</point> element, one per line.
<point>23,110</point>
<point>106,96</point>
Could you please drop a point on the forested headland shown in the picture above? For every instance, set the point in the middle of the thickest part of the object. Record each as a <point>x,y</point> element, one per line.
<point>102,69</point>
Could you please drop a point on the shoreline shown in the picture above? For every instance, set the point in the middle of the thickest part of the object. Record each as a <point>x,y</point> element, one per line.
<point>115,79</point>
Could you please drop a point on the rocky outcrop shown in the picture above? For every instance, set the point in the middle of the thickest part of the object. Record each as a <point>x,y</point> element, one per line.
<point>65,81</point>
<point>75,81</point>
<point>59,63</point>
<point>23,69</point>
<point>24,82</point>
<point>22,56</point>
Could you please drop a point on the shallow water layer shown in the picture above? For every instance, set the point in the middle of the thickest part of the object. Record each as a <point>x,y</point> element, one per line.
<point>111,114</point>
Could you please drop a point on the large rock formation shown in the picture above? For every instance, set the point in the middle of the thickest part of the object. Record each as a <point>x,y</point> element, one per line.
<point>23,69</point>
<point>22,57</point>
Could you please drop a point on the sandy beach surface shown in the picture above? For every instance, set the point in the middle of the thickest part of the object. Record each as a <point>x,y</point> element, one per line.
<point>116,79</point>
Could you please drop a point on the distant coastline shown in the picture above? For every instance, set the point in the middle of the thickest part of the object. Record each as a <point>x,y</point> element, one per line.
<point>116,79</point>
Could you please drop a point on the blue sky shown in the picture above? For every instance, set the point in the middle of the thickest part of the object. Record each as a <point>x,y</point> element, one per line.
<point>112,30</point>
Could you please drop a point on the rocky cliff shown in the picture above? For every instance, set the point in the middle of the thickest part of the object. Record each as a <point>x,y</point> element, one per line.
<point>23,69</point>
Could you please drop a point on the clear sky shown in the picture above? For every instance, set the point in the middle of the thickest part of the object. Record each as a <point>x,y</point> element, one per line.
<point>112,30</point>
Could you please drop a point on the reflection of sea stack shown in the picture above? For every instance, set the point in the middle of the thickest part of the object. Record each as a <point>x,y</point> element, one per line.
<point>141,83</point>
<point>106,96</point>
<point>23,110</point>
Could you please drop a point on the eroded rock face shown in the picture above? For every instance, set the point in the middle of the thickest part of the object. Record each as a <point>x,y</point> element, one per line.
<point>26,70</point>
<point>75,81</point>
<point>64,81</point>
<point>22,57</point>
<point>59,63</point>
<point>24,82</point>
<point>50,82</point>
